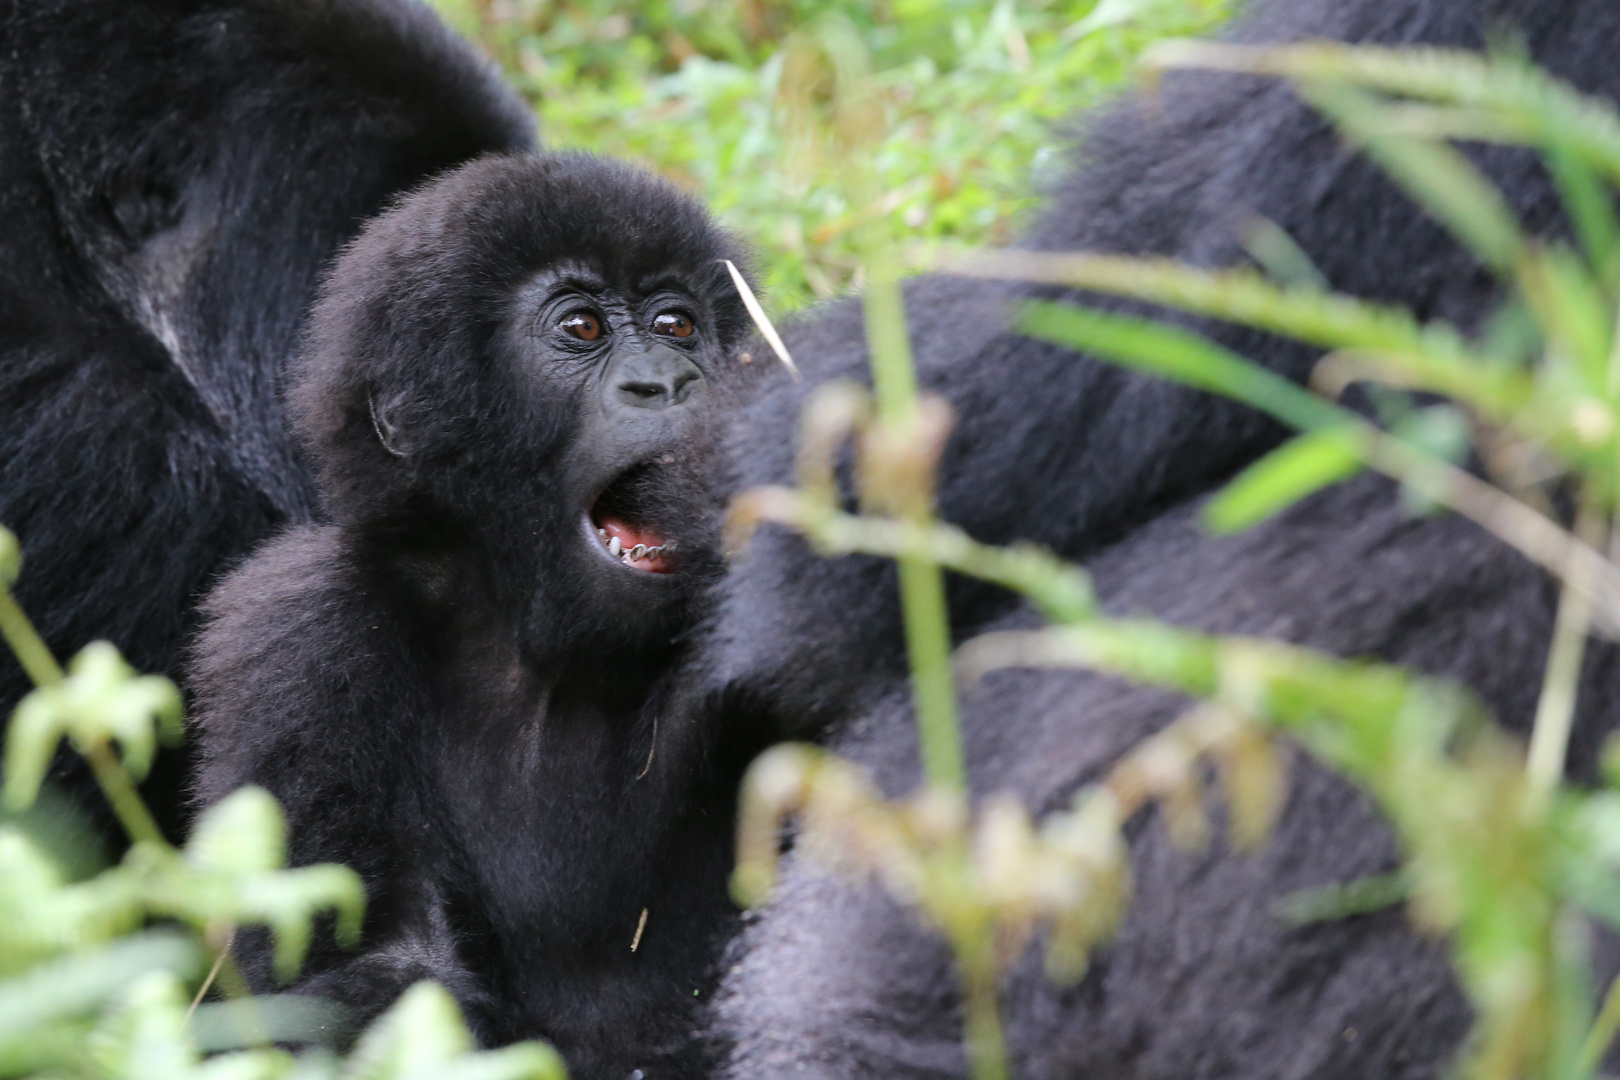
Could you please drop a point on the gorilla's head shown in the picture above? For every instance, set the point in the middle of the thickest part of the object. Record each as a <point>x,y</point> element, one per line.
<point>510,388</point>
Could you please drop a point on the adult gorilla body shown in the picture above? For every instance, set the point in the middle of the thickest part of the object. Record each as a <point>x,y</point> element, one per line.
<point>454,683</point>
<point>174,176</point>
<point>832,979</point>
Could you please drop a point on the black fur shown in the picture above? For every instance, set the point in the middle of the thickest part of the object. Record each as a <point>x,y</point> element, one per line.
<point>453,687</point>
<point>174,175</point>
<point>832,980</point>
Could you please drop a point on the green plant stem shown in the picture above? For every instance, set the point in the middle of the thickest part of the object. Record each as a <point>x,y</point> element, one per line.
<point>894,379</point>
<point>120,790</point>
<point>1602,1033</point>
<point>1560,685</point>
<point>31,651</point>
<point>981,1020</point>
<point>36,660</point>
<point>922,594</point>
<point>922,583</point>
<point>1062,591</point>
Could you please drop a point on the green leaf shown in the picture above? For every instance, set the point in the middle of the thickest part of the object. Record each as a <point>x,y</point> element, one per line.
<point>1283,477</point>
<point>1590,209</point>
<point>243,833</point>
<point>1440,178</point>
<point>231,873</point>
<point>1174,353</point>
<point>1439,430</point>
<point>10,558</point>
<point>101,700</point>
<point>144,1039</point>
<point>1362,896</point>
<point>278,1018</point>
<point>423,1037</point>
<point>1574,314</point>
<point>80,983</point>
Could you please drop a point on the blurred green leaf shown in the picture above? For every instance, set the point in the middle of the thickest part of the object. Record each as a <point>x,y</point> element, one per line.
<point>10,558</point>
<point>277,1018</point>
<point>1299,467</point>
<point>1438,176</point>
<point>1362,896</point>
<point>102,700</point>
<point>230,874</point>
<point>422,1037</point>
<point>1174,353</point>
<point>143,1039</point>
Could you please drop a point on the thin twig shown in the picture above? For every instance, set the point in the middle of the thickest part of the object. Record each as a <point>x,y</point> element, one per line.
<point>213,973</point>
<point>1560,685</point>
<point>651,747</point>
<point>761,320</point>
<point>1520,526</point>
<point>641,925</point>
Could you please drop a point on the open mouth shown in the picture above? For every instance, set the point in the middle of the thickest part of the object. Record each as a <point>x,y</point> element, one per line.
<point>619,523</point>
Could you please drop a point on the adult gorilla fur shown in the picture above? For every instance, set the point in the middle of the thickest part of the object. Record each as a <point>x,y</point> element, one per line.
<point>174,175</point>
<point>451,683</point>
<point>832,979</point>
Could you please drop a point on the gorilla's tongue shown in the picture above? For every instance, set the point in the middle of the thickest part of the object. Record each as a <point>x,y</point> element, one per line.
<point>630,537</point>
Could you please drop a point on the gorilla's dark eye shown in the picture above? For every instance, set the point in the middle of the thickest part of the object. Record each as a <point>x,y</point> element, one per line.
<point>582,324</point>
<point>673,324</point>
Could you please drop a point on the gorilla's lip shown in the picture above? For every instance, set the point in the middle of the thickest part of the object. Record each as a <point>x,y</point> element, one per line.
<point>615,524</point>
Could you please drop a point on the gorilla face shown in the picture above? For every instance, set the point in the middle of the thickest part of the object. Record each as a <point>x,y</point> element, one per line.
<point>641,368</point>
<point>511,391</point>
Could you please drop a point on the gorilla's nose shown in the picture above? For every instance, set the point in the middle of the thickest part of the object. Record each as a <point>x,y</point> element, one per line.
<point>655,379</point>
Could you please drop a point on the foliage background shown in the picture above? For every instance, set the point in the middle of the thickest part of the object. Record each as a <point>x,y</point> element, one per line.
<point>973,94</point>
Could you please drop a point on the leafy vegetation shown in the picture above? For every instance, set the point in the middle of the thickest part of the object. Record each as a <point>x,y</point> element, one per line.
<point>966,96</point>
<point>103,972</point>
<point>1500,853</point>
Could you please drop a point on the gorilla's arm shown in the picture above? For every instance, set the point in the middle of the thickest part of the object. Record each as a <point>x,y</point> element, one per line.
<point>1204,977</point>
<point>305,687</point>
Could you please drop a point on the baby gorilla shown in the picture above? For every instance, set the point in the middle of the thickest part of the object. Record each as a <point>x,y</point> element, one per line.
<point>507,395</point>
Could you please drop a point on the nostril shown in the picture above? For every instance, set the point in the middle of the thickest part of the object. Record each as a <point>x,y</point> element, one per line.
<point>655,381</point>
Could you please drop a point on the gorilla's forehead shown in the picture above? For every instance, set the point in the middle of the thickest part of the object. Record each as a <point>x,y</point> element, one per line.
<point>613,278</point>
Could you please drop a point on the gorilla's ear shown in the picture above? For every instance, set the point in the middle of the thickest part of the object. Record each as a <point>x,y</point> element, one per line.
<point>393,436</point>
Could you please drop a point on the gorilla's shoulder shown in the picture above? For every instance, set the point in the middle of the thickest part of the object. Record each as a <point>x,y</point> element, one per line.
<point>285,593</point>
<point>280,643</point>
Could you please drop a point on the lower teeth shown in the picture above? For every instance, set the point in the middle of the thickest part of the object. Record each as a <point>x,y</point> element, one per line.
<point>630,554</point>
